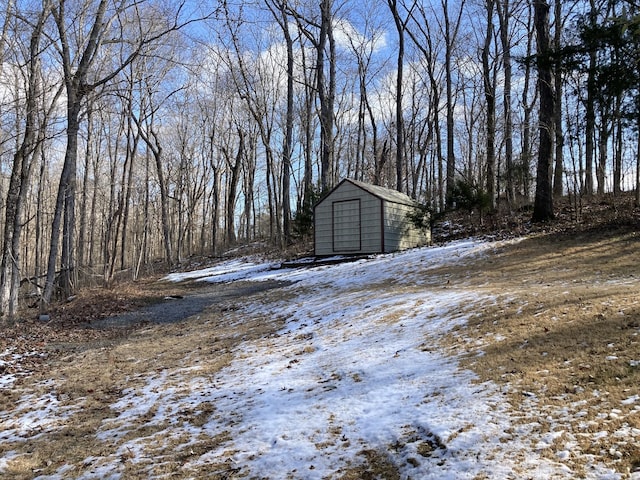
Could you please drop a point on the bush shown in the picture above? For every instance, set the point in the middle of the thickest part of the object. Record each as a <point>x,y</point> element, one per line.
<point>467,196</point>
<point>303,218</point>
<point>421,216</point>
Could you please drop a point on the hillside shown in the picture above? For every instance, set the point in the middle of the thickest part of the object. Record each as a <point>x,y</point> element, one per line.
<point>513,358</point>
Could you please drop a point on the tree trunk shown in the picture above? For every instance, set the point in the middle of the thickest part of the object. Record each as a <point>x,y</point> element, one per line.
<point>618,147</point>
<point>559,137</point>
<point>82,234</point>
<point>19,180</point>
<point>65,204</point>
<point>451,156</point>
<point>637,202</point>
<point>68,273</point>
<point>77,89</point>
<point>215,214</point>
<point>132,148</point>
<point>326,95</point>
<point>232,190</point>
<point>400,28</point>
<point>543,206</point>
<point>93,213</point>
<point>164,206</point>
<point>490,97</point>
<point>590,112</point>
<point>527,105</point>
<point>287,147</point>
<point>39,244</point>
<point>451,36</point>
<point>603,143</point>
<point>504,14</point>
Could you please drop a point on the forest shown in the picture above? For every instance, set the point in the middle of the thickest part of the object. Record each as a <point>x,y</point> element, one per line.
<point>141,131</point>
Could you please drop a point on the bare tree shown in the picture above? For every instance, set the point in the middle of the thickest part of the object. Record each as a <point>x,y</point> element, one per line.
<point>254,84</point>
<point>422,36</point>
<point>590,113</point>
<point>21,170</point>
<point>148,130</point>
<point>363,46</point>
<point>543,206</point>
<point>326,95</point>
<point>558,87</point>
<point>401,26</point>
<point>490,97</point>
<point>504,11</point>
<point>325,89</point>
<point>109,23</point>
<point>234,165</point>
<point>451,37</point>
<point>280,13</point>
<point>8,17</point>
<point>524,167</point>
<point>306,200</point>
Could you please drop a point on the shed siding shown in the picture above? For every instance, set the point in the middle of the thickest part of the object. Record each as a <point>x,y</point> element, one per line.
<point>396,228</point>
<point>399,232</point>
<point>363,219</point>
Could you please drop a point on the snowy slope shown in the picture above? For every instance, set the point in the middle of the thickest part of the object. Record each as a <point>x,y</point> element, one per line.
<point>356,369</point>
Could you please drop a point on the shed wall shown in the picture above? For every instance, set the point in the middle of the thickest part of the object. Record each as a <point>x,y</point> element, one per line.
<point>370,221</point>
<point>399,232</point>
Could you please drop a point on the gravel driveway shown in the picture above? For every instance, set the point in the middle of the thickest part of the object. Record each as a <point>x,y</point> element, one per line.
<point>175,309</point>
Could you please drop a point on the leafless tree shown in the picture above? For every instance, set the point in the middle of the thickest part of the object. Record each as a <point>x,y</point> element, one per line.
<point>22,167</point>
<point>543,207</point>
<point>116,35</point>
<point>490,98</point>
<point>401,25</point>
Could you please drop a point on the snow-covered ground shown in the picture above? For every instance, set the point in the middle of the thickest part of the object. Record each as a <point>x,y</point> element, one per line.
<point>356,369</point>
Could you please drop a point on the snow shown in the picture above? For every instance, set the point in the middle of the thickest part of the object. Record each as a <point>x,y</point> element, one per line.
<point>356,368</point>
<point>228,271</point>
<point>34,415</point>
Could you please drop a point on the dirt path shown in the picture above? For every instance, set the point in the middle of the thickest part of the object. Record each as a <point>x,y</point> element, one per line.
<point>176,308</point>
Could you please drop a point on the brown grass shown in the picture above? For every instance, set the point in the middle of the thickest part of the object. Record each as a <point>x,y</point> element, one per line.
<point>560,336</point>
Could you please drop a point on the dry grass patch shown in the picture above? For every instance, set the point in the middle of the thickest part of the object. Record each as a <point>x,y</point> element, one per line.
<point>376,465</point>
<point>562,336</point>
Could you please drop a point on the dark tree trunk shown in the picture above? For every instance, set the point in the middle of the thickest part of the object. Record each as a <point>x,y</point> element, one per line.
<point>543,206</point>
<point>288,138</point>
<point>65,204</point>
<point>504,14</point>
<point>590,114</point>
<point>559,137</point>
<point>19,183</point>
<point>326,95</point>
<point>232,190</point>
<point>400,27</point>
<point>451,156</point>
<point>490,98</point>
<point>638,164</point>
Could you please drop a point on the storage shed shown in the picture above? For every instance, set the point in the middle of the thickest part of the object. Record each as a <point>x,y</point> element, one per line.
<point>359,218</point>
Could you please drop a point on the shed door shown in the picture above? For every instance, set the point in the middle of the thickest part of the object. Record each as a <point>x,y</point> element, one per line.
<point>346,225</point>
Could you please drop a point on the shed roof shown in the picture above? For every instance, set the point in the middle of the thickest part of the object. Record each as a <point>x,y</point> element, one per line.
<point>382,192</point>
